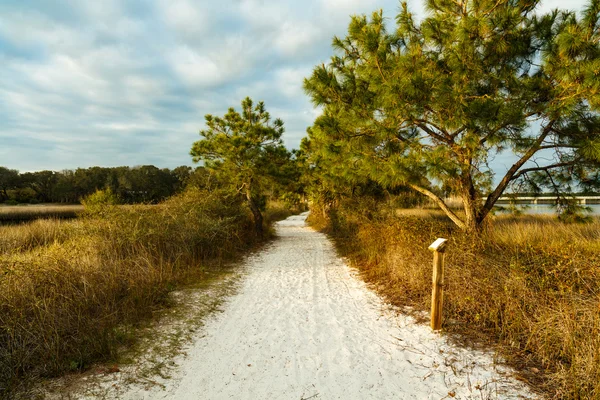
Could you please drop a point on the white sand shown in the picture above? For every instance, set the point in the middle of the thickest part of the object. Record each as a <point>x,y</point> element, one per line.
<point>304,326</point>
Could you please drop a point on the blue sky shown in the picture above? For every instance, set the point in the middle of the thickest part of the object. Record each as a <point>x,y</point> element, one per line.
<point>128,82</point>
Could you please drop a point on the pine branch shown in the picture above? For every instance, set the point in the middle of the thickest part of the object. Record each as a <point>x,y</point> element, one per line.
<point>543,168</point>
<point>499,128</point>
<point>422,124</point>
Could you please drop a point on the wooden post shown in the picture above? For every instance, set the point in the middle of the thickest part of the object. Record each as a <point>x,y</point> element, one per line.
<point>437,294</point>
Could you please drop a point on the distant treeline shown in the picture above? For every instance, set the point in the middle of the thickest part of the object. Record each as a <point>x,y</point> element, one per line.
<point>141,184</point>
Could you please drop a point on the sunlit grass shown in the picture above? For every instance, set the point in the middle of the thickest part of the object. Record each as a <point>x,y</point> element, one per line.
<point>530,283</point>
<point>67,287</point>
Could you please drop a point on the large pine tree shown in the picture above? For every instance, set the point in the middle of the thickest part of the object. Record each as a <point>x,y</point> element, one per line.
<point>429,105</point>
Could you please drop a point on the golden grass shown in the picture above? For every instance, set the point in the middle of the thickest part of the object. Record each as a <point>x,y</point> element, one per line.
<point>530,284</point>
<point>12,214</point>
<point>69,290</point>
<point>24,237</point>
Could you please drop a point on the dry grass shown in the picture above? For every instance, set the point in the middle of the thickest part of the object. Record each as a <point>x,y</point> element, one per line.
<point>15,214</point>
<point>530,284</point>
<point>25,237</point>
<point>69,291</point>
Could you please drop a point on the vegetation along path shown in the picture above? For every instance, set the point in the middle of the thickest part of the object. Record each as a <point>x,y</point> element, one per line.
<point>303,325</point>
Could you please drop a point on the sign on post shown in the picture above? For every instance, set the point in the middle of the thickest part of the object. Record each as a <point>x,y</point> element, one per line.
<point>437,294</point>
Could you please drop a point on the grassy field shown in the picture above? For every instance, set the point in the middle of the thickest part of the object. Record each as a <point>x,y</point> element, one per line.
<point>17,214</point>
<point>71,290</point>
<point>529,285</point>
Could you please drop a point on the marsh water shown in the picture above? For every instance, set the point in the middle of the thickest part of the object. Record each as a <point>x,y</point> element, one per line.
<point>548,209</point>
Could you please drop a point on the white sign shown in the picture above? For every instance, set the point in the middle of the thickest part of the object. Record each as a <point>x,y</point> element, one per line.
<point>438,245</point>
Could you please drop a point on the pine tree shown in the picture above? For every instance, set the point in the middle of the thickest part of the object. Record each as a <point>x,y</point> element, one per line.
<point>429,105</point>
<point>246,153</point>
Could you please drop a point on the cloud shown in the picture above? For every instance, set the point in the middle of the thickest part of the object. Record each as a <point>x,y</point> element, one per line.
<point>186,19</point>
<point>196,69</point>
<point>296,39</point>
<point>224,61</point>
<point>128,82</point>
<point>289,80</point>
<point>349,7</point>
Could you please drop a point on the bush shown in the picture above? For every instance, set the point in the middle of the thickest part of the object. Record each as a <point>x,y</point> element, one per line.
<point>98,201</point>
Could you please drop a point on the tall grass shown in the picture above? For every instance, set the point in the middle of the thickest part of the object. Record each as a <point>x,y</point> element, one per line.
<point>19,238</point>
<point>529,284</point>
<point>69,290</point>
<point>16,214</point>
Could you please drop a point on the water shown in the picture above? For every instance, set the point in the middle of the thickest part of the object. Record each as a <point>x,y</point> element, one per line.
<point>548,209</point>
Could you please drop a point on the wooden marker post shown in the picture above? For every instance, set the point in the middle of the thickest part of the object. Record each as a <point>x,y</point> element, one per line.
<point>437,294</point>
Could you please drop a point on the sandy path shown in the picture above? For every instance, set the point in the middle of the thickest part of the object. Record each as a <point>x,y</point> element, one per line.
<point>303,326</point>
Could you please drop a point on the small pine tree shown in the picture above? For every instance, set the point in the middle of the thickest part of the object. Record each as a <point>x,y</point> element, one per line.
<point>245,152</point>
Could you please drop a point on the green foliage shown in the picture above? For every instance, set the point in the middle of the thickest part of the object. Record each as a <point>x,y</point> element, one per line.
<point>245,153</point>
<point>428,106</point>
<point>100,198</point>
<point>8,180</point>
<point>570,212</point>
<point>96,203</point>
<point>141,184</point>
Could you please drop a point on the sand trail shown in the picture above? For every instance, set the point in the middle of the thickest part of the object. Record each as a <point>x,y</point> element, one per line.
<point>304,326</point>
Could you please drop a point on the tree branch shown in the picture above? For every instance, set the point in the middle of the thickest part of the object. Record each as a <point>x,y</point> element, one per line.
<point>544,168</point>
<point>440,203</point>
<point>497,129</point>
<point>508,177</point>
<point>445,132</point>
<point>431,132</point>
<point>557,146</point>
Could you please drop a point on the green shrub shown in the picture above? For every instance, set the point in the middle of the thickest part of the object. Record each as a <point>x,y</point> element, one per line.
<point>98,202</point>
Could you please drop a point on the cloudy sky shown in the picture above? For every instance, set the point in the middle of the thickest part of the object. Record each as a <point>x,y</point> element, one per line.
<point>128,82</point>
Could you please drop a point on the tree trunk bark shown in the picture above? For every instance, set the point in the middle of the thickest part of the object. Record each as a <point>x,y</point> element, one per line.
<point>472,224</point>
<point>471,205</point>
<point>257,215</point>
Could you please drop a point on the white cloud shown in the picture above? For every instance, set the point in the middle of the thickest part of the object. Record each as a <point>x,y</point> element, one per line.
<point>297,38</point>
<point>289,81</point>
<point>348,7</point>
<point>184,17</point>
<point>196,69</point>
<point>226,60</point>
<point>290,27</point>
<point>37,30</point>
<point>265,14</point>
<point>549,5</point>
<point>105,10</point>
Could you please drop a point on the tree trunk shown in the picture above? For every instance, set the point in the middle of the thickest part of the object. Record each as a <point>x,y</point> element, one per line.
<point>472,205</point>
<point>472,224</point>
<point>257,215</point>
